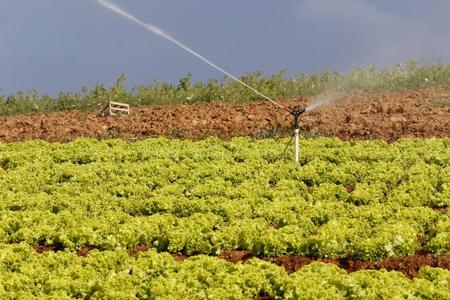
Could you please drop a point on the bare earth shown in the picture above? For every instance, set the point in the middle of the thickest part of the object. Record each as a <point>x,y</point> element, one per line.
<point>363,115</point>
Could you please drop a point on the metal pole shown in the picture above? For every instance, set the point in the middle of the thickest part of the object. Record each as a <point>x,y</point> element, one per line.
<point>296,145</point>
<point>297,111</point>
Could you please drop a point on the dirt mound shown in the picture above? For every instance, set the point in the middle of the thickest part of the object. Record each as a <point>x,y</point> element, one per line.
<point>387,115</point>
<point>364,115</point>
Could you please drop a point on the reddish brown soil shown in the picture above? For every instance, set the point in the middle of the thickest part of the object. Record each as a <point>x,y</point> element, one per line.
<point>179,257</point>
<point>235,256</point>
<point>46,248</point>
<point>409,265</point>
<point>350,188</point>
<point>139,248</point>
<point>364,115</point>
<point>84,251</point>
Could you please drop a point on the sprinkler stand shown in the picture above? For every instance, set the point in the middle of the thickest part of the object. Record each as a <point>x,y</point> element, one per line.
<point>296,145</point>
<point>297,111</point>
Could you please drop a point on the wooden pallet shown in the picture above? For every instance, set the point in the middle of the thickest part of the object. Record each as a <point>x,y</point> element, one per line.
<point>115,108</point>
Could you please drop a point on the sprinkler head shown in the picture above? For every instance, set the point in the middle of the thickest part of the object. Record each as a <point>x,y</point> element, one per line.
<point>297,112</point>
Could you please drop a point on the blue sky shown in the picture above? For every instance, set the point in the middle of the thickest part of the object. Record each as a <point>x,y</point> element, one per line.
<point>55,45</point>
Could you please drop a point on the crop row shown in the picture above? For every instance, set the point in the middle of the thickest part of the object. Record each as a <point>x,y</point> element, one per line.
<point>25,274</point>
<point>360,199</point>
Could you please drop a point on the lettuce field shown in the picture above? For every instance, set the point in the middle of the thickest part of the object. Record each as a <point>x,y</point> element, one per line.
<point>162,218</point>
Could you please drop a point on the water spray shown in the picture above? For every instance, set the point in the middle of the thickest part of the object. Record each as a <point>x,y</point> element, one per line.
<point>297,111</point>
<point>158,31</point>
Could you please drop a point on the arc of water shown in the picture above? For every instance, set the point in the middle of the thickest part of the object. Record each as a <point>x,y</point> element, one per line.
<point>158,31</point>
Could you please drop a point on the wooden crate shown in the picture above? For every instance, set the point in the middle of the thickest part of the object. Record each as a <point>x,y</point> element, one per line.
<point>115,108</point>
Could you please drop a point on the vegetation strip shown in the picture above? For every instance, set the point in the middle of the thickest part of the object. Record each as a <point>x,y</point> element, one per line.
<point>411,75</point>
<point>409,265</point>
<point>211,196</point>
<point>26,274</point>
<point>368,200</point>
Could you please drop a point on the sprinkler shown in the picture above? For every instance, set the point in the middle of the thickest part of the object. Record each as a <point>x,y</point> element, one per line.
<point>297,112</point>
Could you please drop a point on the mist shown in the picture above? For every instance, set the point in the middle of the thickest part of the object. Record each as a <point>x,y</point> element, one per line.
<point>362,32</point>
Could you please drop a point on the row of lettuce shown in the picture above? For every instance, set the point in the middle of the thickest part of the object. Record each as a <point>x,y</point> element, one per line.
<point>364,199</point>
<point>208,233</point>
<point>25,274</point>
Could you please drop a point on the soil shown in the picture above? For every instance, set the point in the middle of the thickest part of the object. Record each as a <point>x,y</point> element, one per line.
<point>46,248</point>
<point>235,256</point>
<point>139,248</point>
<point>179,257</point>
<point>361,115</point>
<point>84,251</point>
<point>409,265</point>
